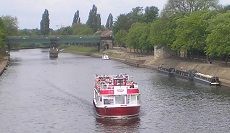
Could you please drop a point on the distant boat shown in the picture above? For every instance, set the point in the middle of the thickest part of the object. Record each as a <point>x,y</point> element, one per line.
<point>53,52</point>
<point>105,57</point>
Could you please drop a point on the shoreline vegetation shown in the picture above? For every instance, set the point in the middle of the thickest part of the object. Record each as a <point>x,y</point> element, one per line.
<point>151,62</point>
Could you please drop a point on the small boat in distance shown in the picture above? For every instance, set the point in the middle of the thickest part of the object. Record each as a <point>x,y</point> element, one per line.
<point>115,96</point>
<point>208,79</point>
<point>53,52</point>
<point>105,57</point>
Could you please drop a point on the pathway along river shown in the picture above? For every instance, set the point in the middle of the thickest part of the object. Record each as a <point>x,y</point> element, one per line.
<point>39,95</point>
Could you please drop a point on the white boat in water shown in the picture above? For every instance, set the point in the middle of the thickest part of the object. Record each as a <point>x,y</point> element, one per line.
<point>105,57</point>
<point>116,96</point>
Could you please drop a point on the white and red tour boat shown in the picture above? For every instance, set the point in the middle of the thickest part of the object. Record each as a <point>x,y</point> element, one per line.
<point>116,96</point>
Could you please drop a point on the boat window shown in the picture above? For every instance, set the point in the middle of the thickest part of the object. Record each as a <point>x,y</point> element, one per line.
<point>131,99</point>
<point>108,101</point>
<point>120,99</point>
<point>128,99</point>
<point>104,86</point>
<point>119,82</point>
<point>138,99</point>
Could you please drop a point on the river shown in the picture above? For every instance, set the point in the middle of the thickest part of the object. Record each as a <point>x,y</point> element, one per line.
<point>40,95</point>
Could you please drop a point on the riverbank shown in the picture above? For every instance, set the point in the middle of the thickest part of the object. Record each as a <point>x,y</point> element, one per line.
<point>3,64</point>
<point>149,61</point>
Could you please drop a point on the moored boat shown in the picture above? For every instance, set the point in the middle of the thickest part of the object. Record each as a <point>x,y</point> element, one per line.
<point>208,79</point>
<point>167,70</point>
<point>188,75</point>
<point>53,52</point>
<point>116,96</point>
<point>105,57</point>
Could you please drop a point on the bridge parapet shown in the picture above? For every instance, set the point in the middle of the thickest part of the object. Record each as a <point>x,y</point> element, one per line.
<point>47,39</point>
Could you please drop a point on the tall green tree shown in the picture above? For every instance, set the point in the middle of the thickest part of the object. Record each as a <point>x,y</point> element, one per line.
<point>120,38</point>
<point>2,33</point>
<point>187,6</point>
<point>124,21</point>
<point>137,37</point>
<point>136,15</point>
<point>76,18</point>
<point>162,32</point>
<point>11,25</point>
<point>191,32</point>
<point>109,22</point>
<point>45,22</point>
<point>94,19</point>
<point>218,39</point>
<point>151,13</point>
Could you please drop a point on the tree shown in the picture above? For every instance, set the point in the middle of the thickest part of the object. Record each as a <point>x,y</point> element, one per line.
<point>29,32</point>
<point>94,19</point>
<point>137,36</point>
<point>187,6</point>
<point>109,22</point>
<point>82,29</point>
<point>44,24</point>
<point>136,15</point>
<point>120,38</point>
<point>11,25</point>
<point>76,18</point>
<point>150,14</point>
<point>162,32</point>
<point>218,41</point>
<point>191,32</point>
<point>123,23</point>
<point>65,31</point>
<point>2,33</point>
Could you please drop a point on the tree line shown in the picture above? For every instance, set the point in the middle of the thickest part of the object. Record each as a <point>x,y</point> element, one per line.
<point>92,25</point>
<point>194,27</point>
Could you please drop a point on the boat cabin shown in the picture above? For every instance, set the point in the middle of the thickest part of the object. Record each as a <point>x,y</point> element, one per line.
<point>116,90</point>
<point>212,80</point>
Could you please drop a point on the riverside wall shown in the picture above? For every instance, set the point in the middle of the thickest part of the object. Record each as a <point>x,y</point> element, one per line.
<point>3,64</point>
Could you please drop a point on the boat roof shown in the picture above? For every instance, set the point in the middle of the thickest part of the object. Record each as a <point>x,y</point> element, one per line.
<point>119,76</point>
<point>204,75</point>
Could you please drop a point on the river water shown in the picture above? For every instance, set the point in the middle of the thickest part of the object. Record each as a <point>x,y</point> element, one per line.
<point>39,95</point>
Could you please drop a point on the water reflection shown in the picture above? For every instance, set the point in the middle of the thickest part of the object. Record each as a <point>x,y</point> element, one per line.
<point>128,125</point>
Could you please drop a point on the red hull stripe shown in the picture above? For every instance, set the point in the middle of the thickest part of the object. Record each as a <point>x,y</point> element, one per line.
<point>132,91</point>
<point>111,92</point>
<point>106,92</point>
<point>118,111</point>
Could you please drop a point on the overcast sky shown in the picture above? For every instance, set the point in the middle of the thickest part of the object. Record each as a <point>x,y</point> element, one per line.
<point>29,12</point>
